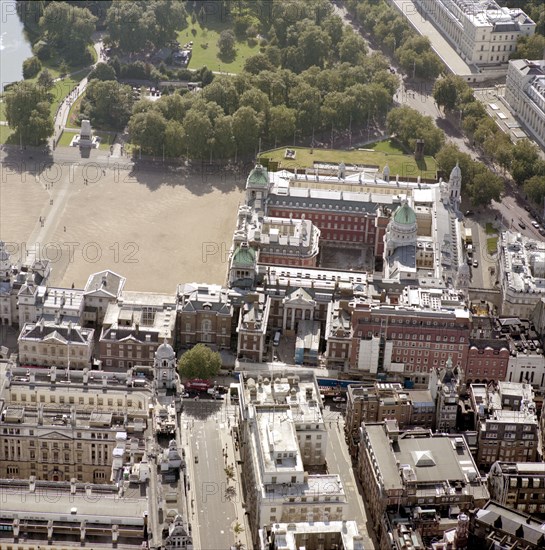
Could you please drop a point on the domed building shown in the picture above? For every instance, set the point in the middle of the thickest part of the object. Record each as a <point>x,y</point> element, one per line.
<point>400,245</point>
<point>165,366</point>
<point>402,229</point>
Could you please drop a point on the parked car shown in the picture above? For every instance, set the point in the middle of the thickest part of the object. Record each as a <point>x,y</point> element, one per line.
<point>469,213</point>
<point>522,225</point>
<point>475,263</point>
<point>535,224</point>
<point>339,399</point>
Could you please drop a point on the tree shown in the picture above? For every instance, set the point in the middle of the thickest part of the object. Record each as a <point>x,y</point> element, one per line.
<point>175,139</point>
<point>525,157</point>
<point>529,47</point>
<point>28,113</point>
<point>449,91</point>
<point>282,123</point>
<point>147,130</point>
<point>31,67</point>
<point>199,362</point>
<point>224,142</point>
<point>416,56</point>
<point>535,188</point>
<point>246,129</point>
<point>226,45</point>
<point>45,80</point>
<point>258,101</point>
<point>448,156</point>
<point>170,17</point>
<point>257,64</point>
<point>409,125</point>
<point>352,48</point>
<point>314,44</point>
<point>484,188</point>
<point>102,71</point>
<point>230,492</point>
<point>224,93</point>
<point>108,103</point>
<point>68,27</point>
<point>199,132</point>
<point>131,25</point>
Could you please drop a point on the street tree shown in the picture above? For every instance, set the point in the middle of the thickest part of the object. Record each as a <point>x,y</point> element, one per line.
<point>199,130</point>
<point>282,123</point>
<point>484,188</point>
<point>525,158</point>
<point>409,125</point>
<point>28,113</point>
<point>529,47</point>
<point>246,129</point>
<point>448,156</point>
<point>199,362</point>
<point>175,139</point>
<point>147,130</point>
<point>534,187</point>
<point>102,71</point>
<point>352,48</point>
<point>449,92</point>
<point>224,142</point>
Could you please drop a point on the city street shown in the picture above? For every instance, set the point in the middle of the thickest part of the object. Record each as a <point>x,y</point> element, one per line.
<point>339,462</point>
<point>206,432</point>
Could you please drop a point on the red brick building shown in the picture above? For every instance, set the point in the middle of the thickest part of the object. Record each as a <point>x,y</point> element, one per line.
<point>408,340</point>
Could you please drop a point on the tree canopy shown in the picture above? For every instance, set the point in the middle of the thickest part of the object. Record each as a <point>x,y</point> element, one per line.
<point>199,362</point>
<point>28,112</point>
<point>108,104</point>
<point>68,27</point>
<point>409,125</point>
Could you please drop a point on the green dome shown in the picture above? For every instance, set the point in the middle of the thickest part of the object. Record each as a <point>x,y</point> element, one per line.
<point>405,215</point>
<point>258,177</point>
<point>244,256</point>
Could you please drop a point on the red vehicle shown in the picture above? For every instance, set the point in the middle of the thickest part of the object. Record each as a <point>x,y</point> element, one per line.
<point>197,385</point>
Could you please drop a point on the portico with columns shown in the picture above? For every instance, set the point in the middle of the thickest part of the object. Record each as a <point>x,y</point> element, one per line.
<point>298,305</point>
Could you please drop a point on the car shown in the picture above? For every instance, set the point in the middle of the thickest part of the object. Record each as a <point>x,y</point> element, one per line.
<point>522,225</point>
<point>535,224</point>
<point>469,213</point>
<point>475,263</point>
<point>541,231</point>
<point>196,459</point>
<point>339,399</point>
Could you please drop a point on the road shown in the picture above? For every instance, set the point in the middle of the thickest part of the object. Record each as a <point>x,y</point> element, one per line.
<point>208,423</point>
<point>339,462</point>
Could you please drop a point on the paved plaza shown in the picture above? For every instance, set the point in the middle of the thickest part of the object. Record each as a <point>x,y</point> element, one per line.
<point>155,227</point>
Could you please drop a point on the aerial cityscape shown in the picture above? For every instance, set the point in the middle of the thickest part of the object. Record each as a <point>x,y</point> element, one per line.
<point>272,274</point>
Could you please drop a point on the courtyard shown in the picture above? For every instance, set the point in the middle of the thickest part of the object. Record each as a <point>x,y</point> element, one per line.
<point>157,228</point>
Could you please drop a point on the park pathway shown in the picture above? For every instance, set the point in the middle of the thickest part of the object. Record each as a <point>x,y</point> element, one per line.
<point>61,116</point>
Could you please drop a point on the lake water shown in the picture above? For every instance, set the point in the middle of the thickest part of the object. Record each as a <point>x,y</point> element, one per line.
<point>14,45</point>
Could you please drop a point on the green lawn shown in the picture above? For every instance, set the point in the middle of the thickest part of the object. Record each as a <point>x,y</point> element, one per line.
<point>5,133</point>
<point>492,245</point>
<point>73,121</point>
<point>404,165</point>
<point>105,139</point>
<point>490,229</point>
<point>390,146</point>
<point>205,49</point>
<point>2,110</point>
